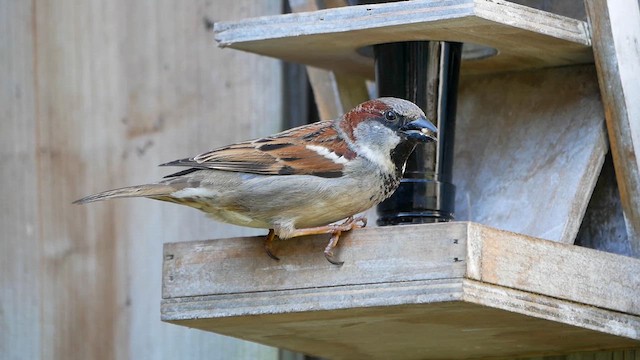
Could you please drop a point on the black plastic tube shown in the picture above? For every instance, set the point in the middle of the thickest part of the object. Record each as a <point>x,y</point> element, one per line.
<point>426,73</point>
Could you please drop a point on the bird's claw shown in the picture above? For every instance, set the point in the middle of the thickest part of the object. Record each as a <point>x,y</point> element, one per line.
<point>328,251</point>
<point>268,242</point>
<point>331,259</point>
<point>271,255</point>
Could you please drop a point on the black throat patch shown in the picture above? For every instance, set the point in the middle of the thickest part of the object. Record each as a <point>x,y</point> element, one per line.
<point>400,154</point>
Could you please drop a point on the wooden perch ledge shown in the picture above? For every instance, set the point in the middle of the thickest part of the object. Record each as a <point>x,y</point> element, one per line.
<point>453,290</point>
<point>333,39</point>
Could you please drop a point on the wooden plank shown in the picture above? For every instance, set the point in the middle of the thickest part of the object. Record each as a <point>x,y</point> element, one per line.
<point>76,93</point>
<point>120,87</point>
<point>452,330</point>
<point>628,354</point>
<point>525,37</point>
<point>543,267</point>
<point>239,265</point>
<point>615,45</point>
<point>327,298</point>
<point>548,308</point>
<point>20,332</point>
<point>529,148</point>
<point>506,295</point>
<point>183,96</point>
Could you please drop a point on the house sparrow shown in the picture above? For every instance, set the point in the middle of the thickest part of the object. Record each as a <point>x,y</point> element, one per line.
<point>296,182</point>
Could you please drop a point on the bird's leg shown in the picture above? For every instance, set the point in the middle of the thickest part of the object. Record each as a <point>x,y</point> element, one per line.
<point>268,242</point>
<point>349,224</point>
<point>328,251</point>
<point>335,231</point>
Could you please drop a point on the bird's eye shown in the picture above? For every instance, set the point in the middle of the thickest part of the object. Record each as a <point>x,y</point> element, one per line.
<point>390,116</point>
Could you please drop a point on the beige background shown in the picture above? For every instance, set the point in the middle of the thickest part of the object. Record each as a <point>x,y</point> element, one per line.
<point>94,94</point>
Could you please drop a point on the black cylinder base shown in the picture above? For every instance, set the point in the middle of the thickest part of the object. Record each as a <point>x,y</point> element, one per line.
<point>418,201</point>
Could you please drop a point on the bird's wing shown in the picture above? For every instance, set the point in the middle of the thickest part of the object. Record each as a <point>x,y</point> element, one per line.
<point>314,149</point>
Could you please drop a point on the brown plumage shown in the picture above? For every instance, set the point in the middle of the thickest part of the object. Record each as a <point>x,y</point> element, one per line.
<point>298,181</point>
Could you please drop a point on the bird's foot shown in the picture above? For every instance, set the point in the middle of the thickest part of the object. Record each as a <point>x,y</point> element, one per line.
<point>328,251</point>
<point>349,224</point>
<point>268,243</point>
<point>353,223</point>
<point>335,230</point>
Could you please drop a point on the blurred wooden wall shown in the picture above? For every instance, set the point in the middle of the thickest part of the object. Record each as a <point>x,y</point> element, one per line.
<point>94,94</point>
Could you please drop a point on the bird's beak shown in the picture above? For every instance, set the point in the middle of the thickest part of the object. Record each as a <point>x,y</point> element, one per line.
<point>421,130</point>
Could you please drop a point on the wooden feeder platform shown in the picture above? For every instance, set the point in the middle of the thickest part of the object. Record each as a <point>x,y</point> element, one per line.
<point>337,39</point>
<point>449,290</point>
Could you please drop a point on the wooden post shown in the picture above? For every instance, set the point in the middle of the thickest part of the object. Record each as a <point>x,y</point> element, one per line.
<point>615,33</point>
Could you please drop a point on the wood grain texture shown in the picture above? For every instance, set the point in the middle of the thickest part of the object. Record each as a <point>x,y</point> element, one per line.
<point>587,276</point>
<point>20,333</point>
<point>525,37</point>
<point>194,269</point>
<point>572,9</point>
<point>616,47</point>
<point>529,148</point>
<point>548,308</point>
<point>400,283</point>
<point>94,95</point>
<point>334,94</point>
<point>629,354</point>
<point>603,226</point>
<point>445,330</point>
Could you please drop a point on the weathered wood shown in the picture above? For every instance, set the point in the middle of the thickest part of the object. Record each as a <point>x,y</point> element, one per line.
<point>529,148</point>
<point>94,95</point>
<point>334,93</point>
<point>603,227</point>
<point>544,267</point>
<point>452,330</point>
<point>572,9</point>
<point>436,254</point>
<point>629,354</point>
<point>615,37</point>
<point>556,310</point>
<point>525,37</point>
<point>20,333</point>
<point>426,289</point>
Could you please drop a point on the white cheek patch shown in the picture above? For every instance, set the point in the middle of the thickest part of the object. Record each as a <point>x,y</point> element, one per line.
<point>375,143</point>
<point>323,151</point>
<point>193,193</point>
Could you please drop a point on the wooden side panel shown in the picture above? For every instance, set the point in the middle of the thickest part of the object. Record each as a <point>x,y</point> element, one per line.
<point>569,272</point>
<point>371,256</point>
<point>616,39</point>
<point>529,148</point>
<point>424,327</point>
<point>19,251</point>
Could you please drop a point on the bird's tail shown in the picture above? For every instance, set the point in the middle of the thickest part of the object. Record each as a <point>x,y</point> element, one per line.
<point>150,190</point>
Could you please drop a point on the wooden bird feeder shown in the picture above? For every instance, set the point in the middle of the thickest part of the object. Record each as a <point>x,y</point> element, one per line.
<point>530,145</point>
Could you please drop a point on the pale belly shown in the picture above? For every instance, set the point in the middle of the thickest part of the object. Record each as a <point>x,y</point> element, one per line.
<point>286,202</point>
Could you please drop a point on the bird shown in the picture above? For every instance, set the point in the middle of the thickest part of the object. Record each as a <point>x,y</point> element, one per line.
<point>300,181</point>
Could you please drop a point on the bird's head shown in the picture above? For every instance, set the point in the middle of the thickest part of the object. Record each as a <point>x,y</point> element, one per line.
<point>391,116</point>
<point>387,128</point>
